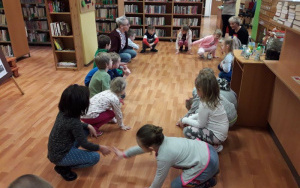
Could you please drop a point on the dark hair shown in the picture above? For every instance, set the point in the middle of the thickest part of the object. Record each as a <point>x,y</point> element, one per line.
<point>103,40</point>
<point>208,84</point>
<point>30,181</point>
<point>150,135</point>
<point>131,33</point>
<point>102,60</point>
<point>149,27</point>
<point>185,27</point>
<point>74,101</point>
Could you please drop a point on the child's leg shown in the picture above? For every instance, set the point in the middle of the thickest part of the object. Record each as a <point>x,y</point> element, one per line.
<point>211,50</point>
<point>180,43</point>
<point>102,119</point>
<point>186,45</point>
<point>201,51</point>
<point>201,133</point>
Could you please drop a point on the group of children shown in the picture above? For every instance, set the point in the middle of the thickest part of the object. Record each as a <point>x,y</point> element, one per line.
<point>83,110</point>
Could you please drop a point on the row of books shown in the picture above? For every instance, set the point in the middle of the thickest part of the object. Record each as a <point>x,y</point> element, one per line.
<point>160,32</point>
<point>185,9</point>
<point>185,21</point>
<point>60,29</point>
<point>158,9</point>
<point>38,37</point>
<point>59,45</point>
<point>57,6</point>
<point>187,1</point>
<point>155,20</point>
<point>2,19</point>
<point>32,1</point>
<point>106,2</point>
<point>105,27</point>
<point>37,25</point>
<point>156,0</point>
<point>7,50</point>
<point>4,35</point>
<point>131,8</point>
<point>106,6</point>
<point>66,64</point>
<point>106,13</point>
<point>138,32</point>
<point>288,14</point>
<point>34,12</point>
<point>135,20</point>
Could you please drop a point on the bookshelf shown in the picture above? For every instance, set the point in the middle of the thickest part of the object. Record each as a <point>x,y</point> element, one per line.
<point>166,15</point>
<point>35,17</point>
<point>106,13</point>
<point>65,34</point>
<point>13,35</point>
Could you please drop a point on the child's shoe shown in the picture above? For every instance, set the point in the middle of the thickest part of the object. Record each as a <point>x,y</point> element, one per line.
<point>202,56</point>
<point>99,133</point>
<point>154,50</point>
<point>186,49</point>
<point>181,48</point>
<point>66,173</point>
<point>209,56</point>
<point>218,148</point>
<point>143,51</point>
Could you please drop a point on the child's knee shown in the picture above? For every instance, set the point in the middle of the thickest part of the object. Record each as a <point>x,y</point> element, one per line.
<point>95,157</point>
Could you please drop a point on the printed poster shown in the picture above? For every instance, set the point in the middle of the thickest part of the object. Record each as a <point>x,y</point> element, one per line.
<point>3,71</point>
<point>87,5</point>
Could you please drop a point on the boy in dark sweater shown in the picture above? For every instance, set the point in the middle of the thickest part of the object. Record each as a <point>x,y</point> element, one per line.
<point>150,39</point>
<point>104,45</point>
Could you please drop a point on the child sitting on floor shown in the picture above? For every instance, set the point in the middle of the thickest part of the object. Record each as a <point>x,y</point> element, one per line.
<point>184,38</point>
<point>225,66</point>
<point>115,71</point>
<point>150,39</point>
<point>131,37</point>
<point>99,112</point>
<point>209,44</point>
<point>211,123</point>
<point>198,160</point>
<point>101,79</point>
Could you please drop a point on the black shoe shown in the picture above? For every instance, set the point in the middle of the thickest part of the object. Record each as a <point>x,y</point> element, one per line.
<point>66,173</point>
<point>180,49</point>
<point>143,51</point>
<point>186,49</point>
<point>123,96</point>
<point>154,50</point>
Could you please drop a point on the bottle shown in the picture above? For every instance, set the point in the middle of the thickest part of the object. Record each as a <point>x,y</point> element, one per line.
<point>257,54</point>
<point>250,44</point>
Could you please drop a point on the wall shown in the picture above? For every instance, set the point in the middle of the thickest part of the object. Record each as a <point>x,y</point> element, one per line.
<point>255,20</point>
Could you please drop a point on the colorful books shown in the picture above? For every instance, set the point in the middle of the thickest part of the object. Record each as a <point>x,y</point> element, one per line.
<point>60,29</point>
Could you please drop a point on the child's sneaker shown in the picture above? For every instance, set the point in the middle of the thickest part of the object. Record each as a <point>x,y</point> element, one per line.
<point>143,51</point>
<point>218,148</point>
<point>154,50</point>
<point>66,173</point>
<point>99,133</point>
<point>209,56</point>
<point>180,49</point>
<point>202,56</point>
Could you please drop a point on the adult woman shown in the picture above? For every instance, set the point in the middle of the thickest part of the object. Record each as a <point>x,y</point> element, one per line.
<point>119,40</point>
<point>240,31</point>
<point>227,12</point>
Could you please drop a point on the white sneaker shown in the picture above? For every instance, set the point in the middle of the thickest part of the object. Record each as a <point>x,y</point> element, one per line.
<point>218,148</point>
<point>114,120</point>
<point>202,56</point>
<point>209,56</point>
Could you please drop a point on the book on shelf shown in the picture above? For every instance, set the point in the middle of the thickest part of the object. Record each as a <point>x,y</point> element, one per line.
<point>60,29</point>
<point>188,1</point>
<point>58,44</point>
<point>37,25</point>
<point>185,9</point>
<point>7,50</point>
<point>32,1</point>
<point>34,12</point>
<point>106,2</point>
<point>38,37</point>
<point>155,20</point>
<point>185,21</point>
<point>155,9</point>
<point>2,19</point>
<point>57,6</point>
<point>138,32</point>
<point>106,13</point>
<point>156,0</point>
<point>105,27</point>
<point>160,32</point>
<point>66,64</point>
<point>4,35</point>
<point>131,9</point>
<point>135,20</point>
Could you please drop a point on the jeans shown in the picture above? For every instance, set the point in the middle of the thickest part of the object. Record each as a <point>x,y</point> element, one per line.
<point>225,75</point>
<point>77,158</point>
<point>127,54</point>
<point>208,173</point>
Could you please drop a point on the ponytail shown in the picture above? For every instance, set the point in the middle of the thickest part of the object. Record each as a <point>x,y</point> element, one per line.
<point>150,135</point>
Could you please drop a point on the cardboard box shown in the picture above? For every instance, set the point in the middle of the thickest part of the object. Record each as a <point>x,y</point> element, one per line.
<point>297,7</point>
<point>284,11</point>
<point>275,18</point>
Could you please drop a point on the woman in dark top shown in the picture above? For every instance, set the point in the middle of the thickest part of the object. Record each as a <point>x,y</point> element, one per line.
<point>240,31</point>
<point>119,40</point>
<point>68,133</point>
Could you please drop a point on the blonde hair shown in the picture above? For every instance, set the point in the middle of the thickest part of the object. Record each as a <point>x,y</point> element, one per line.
<point>208,84</point>
<point>218,32</point>
<point>118,85</point>
<point>102,60</point>
<point>229,42</point>
<point>114,57</point>
<point>234,19</point>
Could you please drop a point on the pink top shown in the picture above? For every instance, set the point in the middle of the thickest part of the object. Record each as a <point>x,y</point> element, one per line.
<point>207,42</point>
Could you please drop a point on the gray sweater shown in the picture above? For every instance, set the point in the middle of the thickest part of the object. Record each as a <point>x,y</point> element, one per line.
<point>65,132</point>
<point>192,156</point>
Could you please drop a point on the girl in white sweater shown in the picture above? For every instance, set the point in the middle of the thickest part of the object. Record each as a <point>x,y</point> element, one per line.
<point>211,123</point>
<point>198,160</point>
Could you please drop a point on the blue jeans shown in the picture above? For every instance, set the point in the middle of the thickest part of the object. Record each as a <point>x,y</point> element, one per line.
<point>77,158</point>
<point>208,173</point>
<point>127,54</point>
<point>225,75</point>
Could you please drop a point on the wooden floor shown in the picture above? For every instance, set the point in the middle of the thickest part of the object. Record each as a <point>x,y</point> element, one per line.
<point>156,93</point>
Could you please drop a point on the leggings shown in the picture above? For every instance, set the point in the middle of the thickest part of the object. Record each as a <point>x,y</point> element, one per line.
<point>202,133</point>
<point>102,119</point>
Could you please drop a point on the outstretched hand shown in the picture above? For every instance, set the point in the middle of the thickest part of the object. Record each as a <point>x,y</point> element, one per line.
<point>92,131</point>
<point>104,150</point>
<point>118,153</point>
<point>125,128</point>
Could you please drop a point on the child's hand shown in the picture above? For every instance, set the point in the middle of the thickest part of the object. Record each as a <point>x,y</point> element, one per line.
<point>92,130</point>
<point>118,153</point>
<point>216,57</point>
<point>104,150</point>
<point>125,128</point>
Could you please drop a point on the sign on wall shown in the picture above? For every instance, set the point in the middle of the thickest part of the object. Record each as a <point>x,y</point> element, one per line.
<point>87,5</point>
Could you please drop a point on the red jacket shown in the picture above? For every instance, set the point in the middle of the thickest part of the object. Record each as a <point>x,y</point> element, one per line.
<point>116,41</point>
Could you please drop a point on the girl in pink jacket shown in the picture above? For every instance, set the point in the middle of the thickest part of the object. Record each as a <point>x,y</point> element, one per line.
<point>209,44</point>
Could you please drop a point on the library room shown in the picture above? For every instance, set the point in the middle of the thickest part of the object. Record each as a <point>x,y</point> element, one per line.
<point>149,93</point>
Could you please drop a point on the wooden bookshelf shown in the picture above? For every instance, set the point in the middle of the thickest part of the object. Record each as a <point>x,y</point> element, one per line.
<point>14,24</point>
<point>35,17</point>
<point>139,9</point>
<point>72,42</point>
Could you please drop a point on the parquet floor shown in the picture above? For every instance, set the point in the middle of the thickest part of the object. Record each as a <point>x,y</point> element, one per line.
<point>156,93</point>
